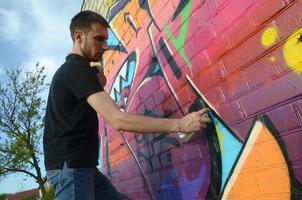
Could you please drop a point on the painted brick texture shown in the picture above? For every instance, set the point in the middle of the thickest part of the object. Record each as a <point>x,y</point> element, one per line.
<point>245,58</point>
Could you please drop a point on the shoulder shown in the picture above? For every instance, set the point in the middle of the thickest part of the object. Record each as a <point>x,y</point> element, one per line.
<point>72,68</point>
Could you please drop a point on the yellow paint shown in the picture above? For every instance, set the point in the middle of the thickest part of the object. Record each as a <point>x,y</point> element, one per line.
<point>292,51</point>
<point>269,37</point>
<point>109,3</point>
<point>220,135</point>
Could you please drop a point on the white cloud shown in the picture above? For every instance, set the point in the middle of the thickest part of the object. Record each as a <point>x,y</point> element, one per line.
<point>50,63</point>
<point>50,42</point>
<point>1,69</point>
<point>10,24</point>
<point>51,34</point>
<point>40,29</point>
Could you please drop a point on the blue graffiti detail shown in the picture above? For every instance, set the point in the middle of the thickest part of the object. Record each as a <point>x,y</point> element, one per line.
<point>188,187</point>
<point>117,95</point>
<point>169,189</point>
<point>114,43</point>
<point>129,76</point>
<point>180,188</point>
<point>124,78</point>
<point>230,148</point>
<point>112,39</point>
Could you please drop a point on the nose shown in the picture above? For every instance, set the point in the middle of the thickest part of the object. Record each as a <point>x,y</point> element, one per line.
<point>105,46</point>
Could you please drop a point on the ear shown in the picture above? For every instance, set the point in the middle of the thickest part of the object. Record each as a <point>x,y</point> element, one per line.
<point>78,35</point>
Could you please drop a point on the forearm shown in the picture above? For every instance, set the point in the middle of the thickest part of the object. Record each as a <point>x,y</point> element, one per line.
<point>103,104</point>
<point>143,124</point>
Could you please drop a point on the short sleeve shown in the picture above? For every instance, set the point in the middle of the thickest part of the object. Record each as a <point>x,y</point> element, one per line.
<point>83,81</point>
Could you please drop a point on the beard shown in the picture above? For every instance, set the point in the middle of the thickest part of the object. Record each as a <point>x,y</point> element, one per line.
<point>92,57</point>
<point>96,57</point>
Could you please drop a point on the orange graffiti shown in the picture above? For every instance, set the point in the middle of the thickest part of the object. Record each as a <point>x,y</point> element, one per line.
<point>261,169</point>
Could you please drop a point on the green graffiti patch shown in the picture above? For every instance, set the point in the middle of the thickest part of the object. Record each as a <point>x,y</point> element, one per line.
<point>180,41</point>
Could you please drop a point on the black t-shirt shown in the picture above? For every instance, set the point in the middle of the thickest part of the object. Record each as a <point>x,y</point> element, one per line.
<point>71,124</point>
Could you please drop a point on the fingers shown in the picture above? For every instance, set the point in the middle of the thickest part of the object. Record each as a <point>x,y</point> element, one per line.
<point>197,120</point>
<point>205,119</point>
<point>203,111</point>
<point>203,126</point>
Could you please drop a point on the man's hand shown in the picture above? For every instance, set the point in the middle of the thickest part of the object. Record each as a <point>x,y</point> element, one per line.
<point>100,75</point>
<point>195,121</point>
<point>102,79</point>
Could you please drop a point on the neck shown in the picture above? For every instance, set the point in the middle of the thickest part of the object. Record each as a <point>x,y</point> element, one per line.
<point>77,50</point>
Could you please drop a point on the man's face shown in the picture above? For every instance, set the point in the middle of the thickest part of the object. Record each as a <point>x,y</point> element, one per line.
<point>95,42</point>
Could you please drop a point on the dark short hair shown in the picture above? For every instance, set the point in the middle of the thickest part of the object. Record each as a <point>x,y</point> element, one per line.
<point>84,19</point>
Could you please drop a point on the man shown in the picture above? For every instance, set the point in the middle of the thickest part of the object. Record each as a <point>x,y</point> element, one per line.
<point>71,122</point>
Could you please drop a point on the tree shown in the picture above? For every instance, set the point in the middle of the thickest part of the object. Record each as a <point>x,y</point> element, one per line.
<point>3,196</point>
<point>49,194</point>
<point>21,122</point>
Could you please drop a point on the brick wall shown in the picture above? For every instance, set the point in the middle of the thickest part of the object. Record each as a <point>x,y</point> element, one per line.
<point>244,58</point>
<point>28,194</point>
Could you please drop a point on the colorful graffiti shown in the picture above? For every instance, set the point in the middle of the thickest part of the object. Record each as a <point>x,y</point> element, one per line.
<point>241,59</point>
<point>293,50</point>
<point>262,161</point>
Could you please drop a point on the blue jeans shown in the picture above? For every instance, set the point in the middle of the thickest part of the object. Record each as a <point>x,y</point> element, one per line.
<point>81,184</point>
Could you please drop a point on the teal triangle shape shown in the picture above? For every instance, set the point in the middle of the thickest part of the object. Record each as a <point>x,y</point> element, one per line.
<point>230,148</point>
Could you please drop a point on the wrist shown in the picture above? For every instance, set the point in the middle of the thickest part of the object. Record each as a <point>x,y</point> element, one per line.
<point>178,126</point>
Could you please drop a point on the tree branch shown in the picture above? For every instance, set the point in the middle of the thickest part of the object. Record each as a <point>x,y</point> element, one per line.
<point>20,170</point>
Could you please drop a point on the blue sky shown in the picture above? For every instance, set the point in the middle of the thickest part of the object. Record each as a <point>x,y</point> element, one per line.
<point>34,31</point>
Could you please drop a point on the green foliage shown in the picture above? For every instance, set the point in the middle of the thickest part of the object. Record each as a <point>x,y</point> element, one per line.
<point>21,122</point>
<point>3,196</point>
<point>49,194</point>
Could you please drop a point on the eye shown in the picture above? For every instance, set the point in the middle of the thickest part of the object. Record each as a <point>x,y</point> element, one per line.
<point>100,38</point>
